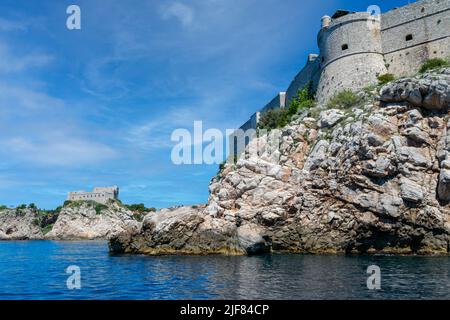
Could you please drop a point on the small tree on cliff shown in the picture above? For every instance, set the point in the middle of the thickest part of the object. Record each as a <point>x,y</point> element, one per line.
<point>278,118</point>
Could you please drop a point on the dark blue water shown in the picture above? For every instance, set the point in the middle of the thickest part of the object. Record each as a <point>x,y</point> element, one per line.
<point>37,270</point>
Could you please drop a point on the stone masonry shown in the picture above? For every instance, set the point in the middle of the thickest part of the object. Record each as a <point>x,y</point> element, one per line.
<point>356,47</point>
<point>99,194</point>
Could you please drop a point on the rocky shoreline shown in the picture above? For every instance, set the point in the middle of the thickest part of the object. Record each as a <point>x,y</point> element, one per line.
<point>373,178</point>
<point>370,179</point>
<point>74,221</point>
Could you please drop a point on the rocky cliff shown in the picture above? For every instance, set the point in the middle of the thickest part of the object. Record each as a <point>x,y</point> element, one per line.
<point>75,221</point>
<point>86,220</point>
<point>20,224</point>
<point>371,178</point>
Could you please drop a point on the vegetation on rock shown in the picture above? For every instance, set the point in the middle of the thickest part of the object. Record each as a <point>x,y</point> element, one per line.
<point>385,78</point>
<point>434,64</point>
<point>344,99</point>
<point>279,118</point>
<point>140,207</point>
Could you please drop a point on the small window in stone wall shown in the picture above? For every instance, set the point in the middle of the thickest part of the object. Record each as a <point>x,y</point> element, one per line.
<point>409,37</point>
<point>344,47</point>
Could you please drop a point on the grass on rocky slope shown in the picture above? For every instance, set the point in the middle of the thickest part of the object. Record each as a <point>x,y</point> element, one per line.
<point>432,64</point>
<point>385,78</point>
<point>139,210</point>
<point>47,229</point>
<point>98,207</point>
<point>344,100</point>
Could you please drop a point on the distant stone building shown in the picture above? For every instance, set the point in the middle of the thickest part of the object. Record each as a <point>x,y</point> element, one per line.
<point>356,47</point>
<point>99,194</point>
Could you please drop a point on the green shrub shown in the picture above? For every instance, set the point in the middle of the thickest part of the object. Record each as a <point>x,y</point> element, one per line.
<point>77,203</point>
<point>67,203</point>
<point>138,217</point>
<point>99,207</point>
<point>2,207</point>
<point>279,118</point>
<point>32,206</point>
<point>47,229</point>
<point>345,99</point>
<point>303,101</point>
<point>273,119</point>
<point>140,207</point>
<point>385,78</point>
<point>433,64</point>
<point>22,207</point>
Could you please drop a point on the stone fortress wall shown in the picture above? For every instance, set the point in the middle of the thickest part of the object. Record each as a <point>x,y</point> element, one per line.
<point>415,33</point>
<point>351,54</point>
<point>99,194</point>
<point>356,47</point>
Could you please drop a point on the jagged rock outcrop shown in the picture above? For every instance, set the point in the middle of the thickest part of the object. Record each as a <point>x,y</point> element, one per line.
<point>89,221</point>
<point>375,180</point>
<point>20,224</point>
<point>430,92</point>
<point>183,230</point>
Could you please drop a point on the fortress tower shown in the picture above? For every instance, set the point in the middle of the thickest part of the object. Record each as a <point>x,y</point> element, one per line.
<point>351,52</point>
<point>99,194</point>
<point>356,47</point>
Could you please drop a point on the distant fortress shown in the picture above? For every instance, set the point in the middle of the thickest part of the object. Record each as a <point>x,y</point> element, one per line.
<point>99,194</point>
<point>357,47</point>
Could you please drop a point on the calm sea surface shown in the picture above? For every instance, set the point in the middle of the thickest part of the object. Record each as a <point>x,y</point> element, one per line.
<point>37,270</point>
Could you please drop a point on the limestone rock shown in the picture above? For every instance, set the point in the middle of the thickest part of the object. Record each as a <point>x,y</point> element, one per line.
<point>429,93</point>
<point>20,224</point>
<point>444,185</point>
<point>329,118</point>
<point>417,135</point>
<point>82,221</point>
<point>410,191</point>
<point>252,239</point>
<point>378,183</point>
<point>317,155</point>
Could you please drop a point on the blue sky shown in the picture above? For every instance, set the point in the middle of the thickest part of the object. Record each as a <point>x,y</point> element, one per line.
<point>97,106</point>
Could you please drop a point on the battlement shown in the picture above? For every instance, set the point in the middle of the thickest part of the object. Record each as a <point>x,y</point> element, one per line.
<point>99,194</point>
<point>356,47</point>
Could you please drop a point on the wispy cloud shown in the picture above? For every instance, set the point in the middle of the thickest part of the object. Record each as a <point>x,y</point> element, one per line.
<point>36,130</point>
<point>8,25</point>
<point>12,62</point>
<point>19,100</point>
<point>67,152</point>
<point>180,11</point>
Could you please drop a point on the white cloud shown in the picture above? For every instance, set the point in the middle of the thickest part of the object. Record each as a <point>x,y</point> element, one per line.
<point>18,99</point>
<point>12,62</point>
<point>180,11</point>
<point>8,25</point>
<point>64,152</point>
<point>37,129</point>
